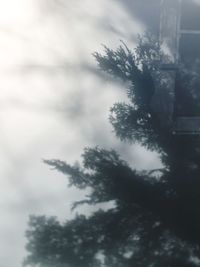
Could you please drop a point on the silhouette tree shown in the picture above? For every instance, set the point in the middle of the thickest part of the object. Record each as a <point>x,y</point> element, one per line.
<point>155,219</point>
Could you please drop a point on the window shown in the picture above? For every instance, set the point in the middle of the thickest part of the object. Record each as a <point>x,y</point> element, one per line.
<point>189,49</point>
<point>180,37</point>
<point>190,18</point>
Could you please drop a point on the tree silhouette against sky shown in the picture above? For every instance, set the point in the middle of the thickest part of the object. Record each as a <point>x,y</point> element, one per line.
<point>155,218</point>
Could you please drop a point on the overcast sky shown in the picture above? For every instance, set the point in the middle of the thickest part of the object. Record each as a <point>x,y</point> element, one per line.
<point>53,103</point>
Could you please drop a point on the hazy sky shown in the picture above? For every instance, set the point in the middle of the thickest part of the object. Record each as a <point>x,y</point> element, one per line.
<point>53,103</point>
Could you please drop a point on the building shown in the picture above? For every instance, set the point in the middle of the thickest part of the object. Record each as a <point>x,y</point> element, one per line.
<point>180,65</point>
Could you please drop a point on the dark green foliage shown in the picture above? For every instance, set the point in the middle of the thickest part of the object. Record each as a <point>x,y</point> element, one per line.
<point>135,67</point>
<point>108,177</point>
<point>133,124</point>
<point>154,221</point>
<point>124,237</point>
<point>136,121</point>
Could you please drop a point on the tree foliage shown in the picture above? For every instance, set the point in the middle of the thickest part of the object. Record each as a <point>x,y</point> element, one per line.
<point>155,221</point>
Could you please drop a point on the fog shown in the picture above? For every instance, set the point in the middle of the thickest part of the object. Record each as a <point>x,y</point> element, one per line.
<point>54,102</point>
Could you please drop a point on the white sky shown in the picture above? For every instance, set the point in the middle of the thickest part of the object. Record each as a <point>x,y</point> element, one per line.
<point>51,106</point>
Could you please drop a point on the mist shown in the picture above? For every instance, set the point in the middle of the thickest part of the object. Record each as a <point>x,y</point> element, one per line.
<point>54,102</point>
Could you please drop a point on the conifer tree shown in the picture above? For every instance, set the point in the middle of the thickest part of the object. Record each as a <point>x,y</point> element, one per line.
<point>156,219</point>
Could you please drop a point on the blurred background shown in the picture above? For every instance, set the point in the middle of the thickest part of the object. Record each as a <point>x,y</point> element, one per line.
<point>54,101</point>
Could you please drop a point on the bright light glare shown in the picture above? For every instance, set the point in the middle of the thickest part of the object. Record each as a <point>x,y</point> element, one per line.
<point>15,10</point>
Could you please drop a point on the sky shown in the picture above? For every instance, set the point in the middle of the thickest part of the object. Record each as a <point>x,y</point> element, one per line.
<point>54,102</point>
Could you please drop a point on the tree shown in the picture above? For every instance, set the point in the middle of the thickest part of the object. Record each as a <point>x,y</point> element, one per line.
<point>155,220</point>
